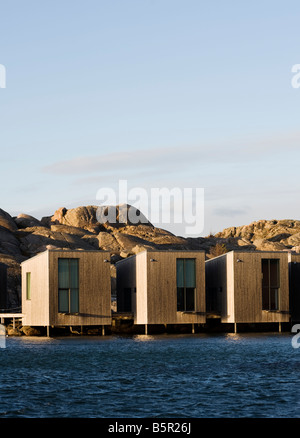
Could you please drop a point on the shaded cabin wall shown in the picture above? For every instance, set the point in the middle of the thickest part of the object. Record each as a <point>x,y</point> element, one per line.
<point>94,289</point>
<point>126,284</point>
<point>294,274</point>
<point>216,285</point>
<point>220,286</point>
<point>162,288</point>
<point>248,287</point>
<point>3,287</point>
<point>36,310</point>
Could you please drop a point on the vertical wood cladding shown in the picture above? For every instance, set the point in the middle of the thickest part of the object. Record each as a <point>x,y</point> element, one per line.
<point>94,289</point>
<point>241,285</point>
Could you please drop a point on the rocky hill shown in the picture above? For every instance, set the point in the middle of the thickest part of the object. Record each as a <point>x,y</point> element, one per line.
<point>24,236</point>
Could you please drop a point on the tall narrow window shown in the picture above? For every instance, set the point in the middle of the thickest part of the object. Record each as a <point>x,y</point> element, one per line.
<point>28,285</point>
<point>270,284</point>
<point>68,285</point>
<point>186,284</point>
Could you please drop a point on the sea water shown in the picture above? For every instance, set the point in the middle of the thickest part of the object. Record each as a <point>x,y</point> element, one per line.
<point>163,376</point>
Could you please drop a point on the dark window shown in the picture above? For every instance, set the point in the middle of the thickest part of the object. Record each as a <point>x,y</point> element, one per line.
<point>270,284</point>
<point>186,284</point>
<point>68,285</point>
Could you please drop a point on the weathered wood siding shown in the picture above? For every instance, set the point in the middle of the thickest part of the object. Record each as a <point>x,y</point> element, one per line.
<point>248,287</point>
<point>162,288</point>
<point>94,289</point>
<point>36,310</point>
<point>243,286</point>
<point>155,299</point>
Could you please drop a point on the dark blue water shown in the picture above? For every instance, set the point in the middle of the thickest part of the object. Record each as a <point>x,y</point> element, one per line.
<point>164,376</point>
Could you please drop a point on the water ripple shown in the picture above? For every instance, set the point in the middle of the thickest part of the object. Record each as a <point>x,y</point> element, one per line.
<point>156,376</point>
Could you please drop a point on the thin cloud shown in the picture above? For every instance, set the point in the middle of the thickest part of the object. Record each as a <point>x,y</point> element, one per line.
<point>170,159</point>
<point>229,212</point>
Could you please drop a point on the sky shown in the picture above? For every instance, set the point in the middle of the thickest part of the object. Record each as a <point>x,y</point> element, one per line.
<point>157,93</point>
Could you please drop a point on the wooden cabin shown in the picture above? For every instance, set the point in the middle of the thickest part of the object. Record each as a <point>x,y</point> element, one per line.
<point>294,272</point>
<point>248,287</point>
<point>163,287</point>
<point>67,288</point>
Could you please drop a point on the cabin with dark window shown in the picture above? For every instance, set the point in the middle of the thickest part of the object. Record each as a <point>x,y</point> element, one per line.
<point>67,288</point>
<point>162,287</point>
<point>248,287</point>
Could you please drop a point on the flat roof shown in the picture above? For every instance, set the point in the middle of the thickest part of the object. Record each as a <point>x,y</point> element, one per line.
<point>67,251</point>
<point>160,251</point>
<point>244,251</point>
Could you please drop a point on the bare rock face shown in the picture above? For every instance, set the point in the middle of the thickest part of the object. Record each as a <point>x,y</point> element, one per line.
<point>37,239</point>
<point>13,281</point>
<point>80,217</point>
<point>9,244</point>
<point>266,245</point>
<point>26,221</point>
<point>293,240</point>
<point>6,221</point>
<point>266,235</point>
<point>108,242</point>
<point>121,216</point>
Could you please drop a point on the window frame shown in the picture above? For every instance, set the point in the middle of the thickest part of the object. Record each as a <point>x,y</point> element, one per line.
<point>69,289</point>
<point>28,286</point>
<point>184,290</point>
<point>273,290</point>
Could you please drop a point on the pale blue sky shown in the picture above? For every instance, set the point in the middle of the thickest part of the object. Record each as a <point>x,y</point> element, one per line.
<point>162,93</point>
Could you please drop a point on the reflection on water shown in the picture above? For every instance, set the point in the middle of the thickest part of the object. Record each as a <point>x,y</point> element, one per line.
<point>143,338</point>
<point>227,375</point>
<point>233,337</point>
